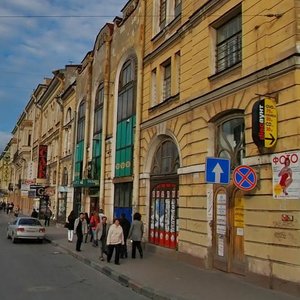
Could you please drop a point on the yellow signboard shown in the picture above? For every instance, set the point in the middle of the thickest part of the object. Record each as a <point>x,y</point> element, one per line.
<point>264,123</point>
<point>270,122</point>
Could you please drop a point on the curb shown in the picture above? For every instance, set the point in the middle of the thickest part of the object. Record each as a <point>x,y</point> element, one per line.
<point>117,276</point>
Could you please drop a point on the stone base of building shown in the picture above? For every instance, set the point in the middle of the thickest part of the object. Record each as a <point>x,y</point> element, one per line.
<point>268,282</point>
<point>273,283</point>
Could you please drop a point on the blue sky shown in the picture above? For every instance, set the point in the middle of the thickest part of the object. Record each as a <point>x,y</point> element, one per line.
<point>33,44</point>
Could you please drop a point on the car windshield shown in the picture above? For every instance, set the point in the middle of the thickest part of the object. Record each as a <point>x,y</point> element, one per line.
<point>31,222</point>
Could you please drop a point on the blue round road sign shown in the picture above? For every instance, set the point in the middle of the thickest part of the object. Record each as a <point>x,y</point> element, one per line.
<point>244,177</point>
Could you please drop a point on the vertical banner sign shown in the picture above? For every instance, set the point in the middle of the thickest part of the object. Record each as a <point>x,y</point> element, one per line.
<point>42,164</point>
<point>286,175</point>
<point>264,123</point>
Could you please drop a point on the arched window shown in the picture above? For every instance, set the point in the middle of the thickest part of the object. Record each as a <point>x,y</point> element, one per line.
<point>126,94</point>
<point>65,177</point>
<point>68,116</point>
<point>230,139</point>
<point>81,122</point>
<point>166,159</point>
<point>98,109</point>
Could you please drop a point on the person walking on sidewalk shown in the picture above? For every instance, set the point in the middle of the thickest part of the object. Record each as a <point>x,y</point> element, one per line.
<point>78,226</point>
<point>136,234</point>
<point>94,221</point>
<point>70,226</point>
<point>125,224</point>
<point>115,239</point>
<point>48,214</point>
<point>102,232</point>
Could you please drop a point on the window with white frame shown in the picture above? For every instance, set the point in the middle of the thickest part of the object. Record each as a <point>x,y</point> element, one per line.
<point>229,43</point>
<point>164,12</point>
<point>154,87</point>
<point>167,80</point>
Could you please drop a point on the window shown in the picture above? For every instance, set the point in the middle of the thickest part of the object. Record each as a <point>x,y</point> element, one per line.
<point>29,140</point>
<point>154,87</point>
<point>230,139</point>
<point>54,177</point>
<point>123,194</point>
<point>229,43</point>
<point>178,7</point>
<point>98,109</point>
<point>81,121</point>
<point>162,13</point>
<point>68,116</point>
<point>166,159</point>
<point>127,83</point>
<point>65,177</point>
<point>166,79</point>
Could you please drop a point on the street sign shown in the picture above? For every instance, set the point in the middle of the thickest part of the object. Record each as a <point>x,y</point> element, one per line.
<point>217,170</point>
<point>244,177</point>
<point>264,123</point>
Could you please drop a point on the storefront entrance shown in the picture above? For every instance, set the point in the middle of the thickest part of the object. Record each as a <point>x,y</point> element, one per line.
<point>163,215</point>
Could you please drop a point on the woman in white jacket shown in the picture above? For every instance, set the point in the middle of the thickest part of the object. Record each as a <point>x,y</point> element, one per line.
<point>115,239</point>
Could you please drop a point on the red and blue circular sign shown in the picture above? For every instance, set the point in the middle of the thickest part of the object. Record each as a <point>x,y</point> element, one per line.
<point>244,177</point>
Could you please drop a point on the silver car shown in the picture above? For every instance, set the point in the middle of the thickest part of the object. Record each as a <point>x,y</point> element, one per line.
<point>25,228</point>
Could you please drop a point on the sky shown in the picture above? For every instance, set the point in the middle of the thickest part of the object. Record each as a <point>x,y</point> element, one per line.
<point>38,37</point>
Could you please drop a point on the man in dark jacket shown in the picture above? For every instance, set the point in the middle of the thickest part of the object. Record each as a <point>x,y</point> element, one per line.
<point>125,224</point>
<point>34,213</point>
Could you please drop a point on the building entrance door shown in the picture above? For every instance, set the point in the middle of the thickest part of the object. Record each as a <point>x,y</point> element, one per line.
<point>163,215</point>
<point>228,230</point>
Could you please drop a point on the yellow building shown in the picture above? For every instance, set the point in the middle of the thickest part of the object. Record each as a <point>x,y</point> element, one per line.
<point>186,111</point>
<point>206,66</point>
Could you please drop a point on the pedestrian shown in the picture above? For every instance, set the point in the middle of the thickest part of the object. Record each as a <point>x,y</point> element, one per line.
<point>17,211</point>
<point>78,227</point>
<point>102,237</point>
<point>70,226</point>
<point>125,224</point>
<point>4,206</point>
<point>94,221</point>
<point>47,216</point>
<point>115,239</point>
<point>136,234</point>
<point>34,213</point>
<point>86,217</point>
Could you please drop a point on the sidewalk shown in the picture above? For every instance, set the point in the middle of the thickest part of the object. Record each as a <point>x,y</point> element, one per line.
<point>163,277</point>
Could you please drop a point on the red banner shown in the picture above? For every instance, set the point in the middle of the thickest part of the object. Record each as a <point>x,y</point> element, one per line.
<point>42,165</point>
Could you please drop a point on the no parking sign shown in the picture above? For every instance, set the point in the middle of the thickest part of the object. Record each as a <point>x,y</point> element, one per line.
<point>244,177</point>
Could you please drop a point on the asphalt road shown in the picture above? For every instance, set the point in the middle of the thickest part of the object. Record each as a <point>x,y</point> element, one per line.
<point>41,271</point>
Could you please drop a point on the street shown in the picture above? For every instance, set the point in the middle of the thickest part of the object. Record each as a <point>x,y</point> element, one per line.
<point>41,271</point>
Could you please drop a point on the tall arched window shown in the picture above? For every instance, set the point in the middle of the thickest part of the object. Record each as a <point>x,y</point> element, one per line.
<point>125,138</point>
<point>81,122</point>
<point>230,139</point>
<point>65,177</point>
<point>98,120</point>
<point>80,142</point>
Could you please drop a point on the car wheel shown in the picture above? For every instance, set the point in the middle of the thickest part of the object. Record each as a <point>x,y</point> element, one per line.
<point>40,241</point>
<point>14,239</point>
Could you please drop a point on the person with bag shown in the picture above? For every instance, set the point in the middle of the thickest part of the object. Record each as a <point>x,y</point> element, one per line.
<point>136,234</point>
<point>79,230</point>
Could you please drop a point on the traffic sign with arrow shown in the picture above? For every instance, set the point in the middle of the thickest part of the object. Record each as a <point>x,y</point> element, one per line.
<point>217,170</point>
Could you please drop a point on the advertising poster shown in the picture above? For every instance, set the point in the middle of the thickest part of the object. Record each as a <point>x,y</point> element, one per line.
<point>286,175</point>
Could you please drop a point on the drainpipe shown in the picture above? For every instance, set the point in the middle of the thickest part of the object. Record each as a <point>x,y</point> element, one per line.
<point>136,155</point>
<point>87,126</point>
<point>58,101</point>
<point>105,117</point>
